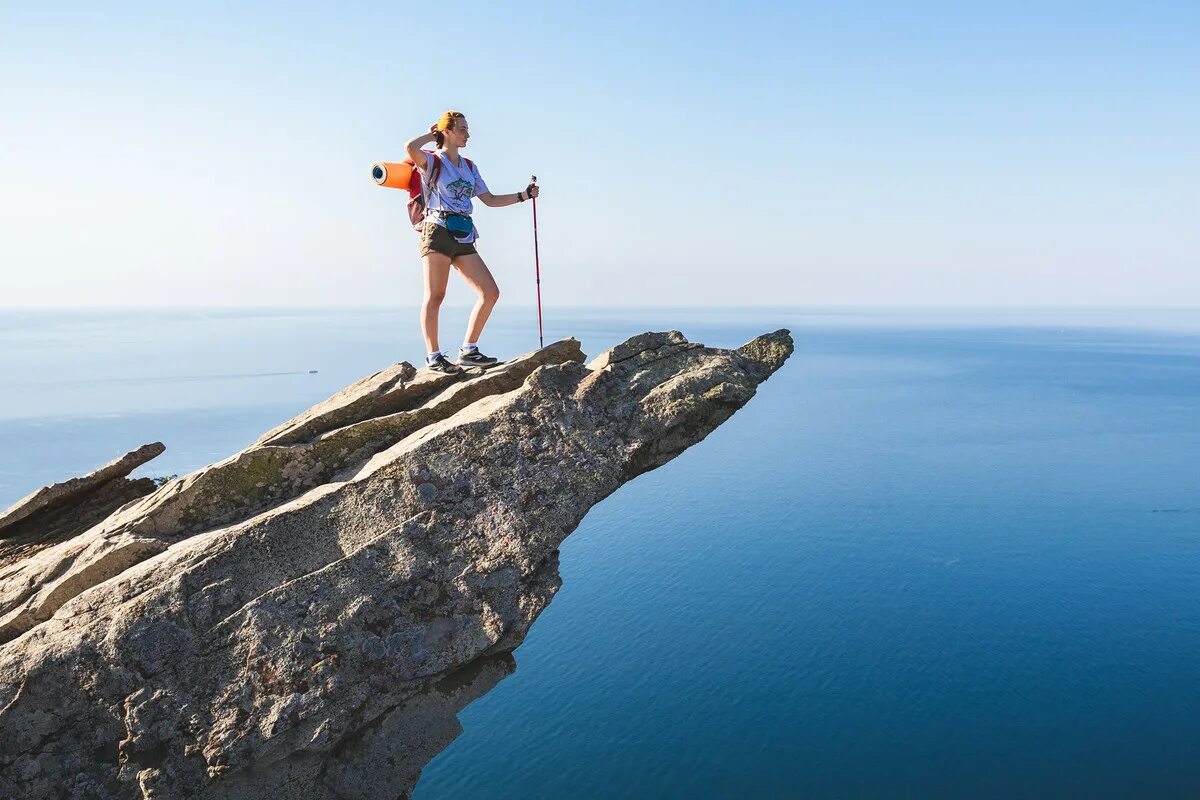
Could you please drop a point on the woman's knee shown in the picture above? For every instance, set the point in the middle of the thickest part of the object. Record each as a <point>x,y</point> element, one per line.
<point>491,294</point>
<point>434,297</point>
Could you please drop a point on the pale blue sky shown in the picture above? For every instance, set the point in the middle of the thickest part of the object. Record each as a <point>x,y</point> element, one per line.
<point>749,153</point>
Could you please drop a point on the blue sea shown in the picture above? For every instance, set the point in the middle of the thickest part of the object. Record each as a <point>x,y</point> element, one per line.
<point>939,555</point>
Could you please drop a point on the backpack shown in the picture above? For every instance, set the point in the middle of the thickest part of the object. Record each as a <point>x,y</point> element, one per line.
<point>404,175</point>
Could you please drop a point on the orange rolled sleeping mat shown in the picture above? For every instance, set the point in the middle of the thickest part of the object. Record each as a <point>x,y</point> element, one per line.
<point>392,174</point>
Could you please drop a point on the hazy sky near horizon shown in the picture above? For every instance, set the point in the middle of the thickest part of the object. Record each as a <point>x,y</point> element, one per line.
<point>732,153</point>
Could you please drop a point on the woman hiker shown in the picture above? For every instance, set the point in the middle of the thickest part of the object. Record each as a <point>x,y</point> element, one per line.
<point>448,238</point>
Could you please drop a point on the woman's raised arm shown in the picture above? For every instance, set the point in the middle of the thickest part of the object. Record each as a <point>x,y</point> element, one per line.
<point>414,147</point>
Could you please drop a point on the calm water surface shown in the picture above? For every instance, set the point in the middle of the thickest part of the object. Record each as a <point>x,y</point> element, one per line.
<point>938,555</point>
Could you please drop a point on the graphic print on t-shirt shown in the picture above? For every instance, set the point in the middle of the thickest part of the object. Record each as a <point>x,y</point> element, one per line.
<point>460,189</point>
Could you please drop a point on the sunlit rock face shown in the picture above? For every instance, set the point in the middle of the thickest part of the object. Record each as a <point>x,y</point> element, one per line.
<point>307,616</point>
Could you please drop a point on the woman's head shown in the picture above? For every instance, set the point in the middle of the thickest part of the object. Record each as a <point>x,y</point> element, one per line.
<point>452,129</point>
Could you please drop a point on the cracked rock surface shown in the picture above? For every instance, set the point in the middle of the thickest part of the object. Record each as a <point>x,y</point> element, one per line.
<point>307,616</point>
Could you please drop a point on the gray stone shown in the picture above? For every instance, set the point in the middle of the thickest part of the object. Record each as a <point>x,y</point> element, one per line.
<point>69,490</point>
<point>59,512</point>
<point>308,637</point>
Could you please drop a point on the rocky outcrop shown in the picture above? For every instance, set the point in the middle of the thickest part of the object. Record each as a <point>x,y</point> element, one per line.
<point>300,615</point>
<point>62,510</point>
<point>308,451</point>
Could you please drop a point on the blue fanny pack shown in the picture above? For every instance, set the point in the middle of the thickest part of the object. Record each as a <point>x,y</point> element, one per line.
<point>459,225</point>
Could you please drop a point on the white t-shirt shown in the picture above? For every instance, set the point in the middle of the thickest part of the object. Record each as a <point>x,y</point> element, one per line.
<point>455,188</point>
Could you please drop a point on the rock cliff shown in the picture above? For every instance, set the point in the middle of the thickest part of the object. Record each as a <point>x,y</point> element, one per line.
<point>307,616</point>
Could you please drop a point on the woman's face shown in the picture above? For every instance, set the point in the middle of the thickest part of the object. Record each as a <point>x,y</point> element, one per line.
<point>459,134</point>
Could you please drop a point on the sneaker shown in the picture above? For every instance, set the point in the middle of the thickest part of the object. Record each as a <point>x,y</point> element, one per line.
<point>474,358</point>
<point>443,364</point>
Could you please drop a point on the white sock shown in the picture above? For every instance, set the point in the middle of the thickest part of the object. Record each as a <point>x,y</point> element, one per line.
<point>429,359</point>
<point>467,346</point>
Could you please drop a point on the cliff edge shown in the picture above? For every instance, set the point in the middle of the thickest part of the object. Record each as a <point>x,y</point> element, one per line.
<point>307,616</point>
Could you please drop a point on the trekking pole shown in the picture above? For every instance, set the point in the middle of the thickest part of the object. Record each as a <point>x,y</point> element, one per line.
<point>537,266</point>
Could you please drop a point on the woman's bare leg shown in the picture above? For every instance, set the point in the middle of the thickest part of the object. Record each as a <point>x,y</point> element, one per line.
<point>437,273</point>
<point>481,280</point>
